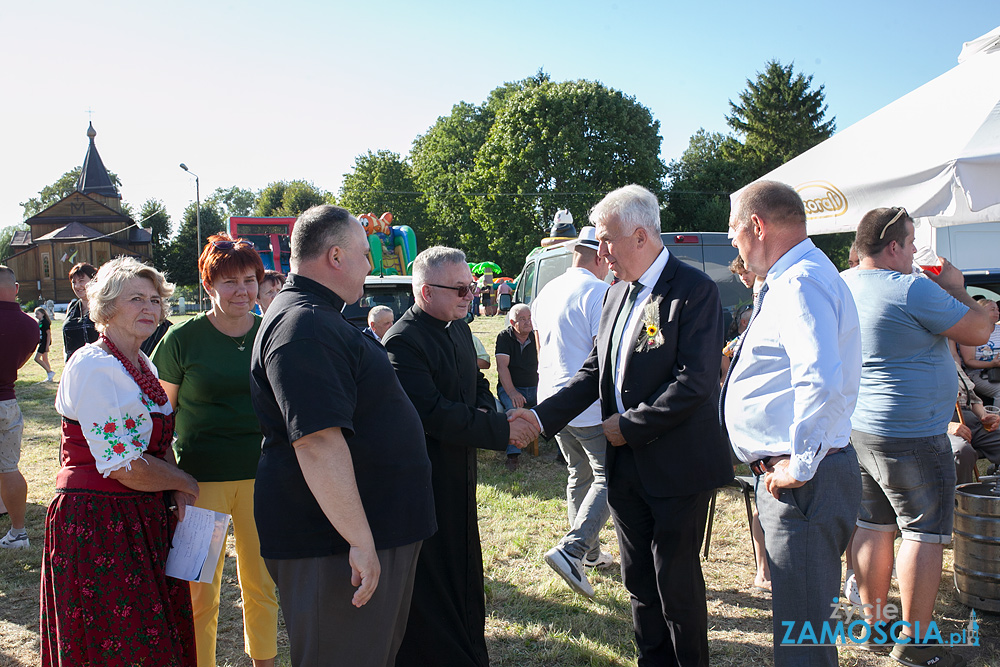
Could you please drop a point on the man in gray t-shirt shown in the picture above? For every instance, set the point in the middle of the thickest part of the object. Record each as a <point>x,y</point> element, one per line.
<point>907,395</point>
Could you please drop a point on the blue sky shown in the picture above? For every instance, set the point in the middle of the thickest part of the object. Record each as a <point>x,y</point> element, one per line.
<point>250,92</point>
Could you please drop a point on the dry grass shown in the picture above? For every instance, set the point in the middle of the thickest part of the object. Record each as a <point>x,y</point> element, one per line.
<point>534,619</point>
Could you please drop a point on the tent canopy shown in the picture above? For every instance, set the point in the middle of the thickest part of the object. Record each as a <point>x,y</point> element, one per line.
<point>934,151</point>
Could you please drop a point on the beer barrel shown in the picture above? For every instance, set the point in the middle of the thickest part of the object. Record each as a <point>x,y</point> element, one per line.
<point>977,545</point>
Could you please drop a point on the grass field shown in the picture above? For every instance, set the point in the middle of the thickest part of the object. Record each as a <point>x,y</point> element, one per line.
<point>533,617</point>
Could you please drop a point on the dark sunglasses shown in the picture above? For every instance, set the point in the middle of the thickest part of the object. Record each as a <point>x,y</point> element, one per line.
<point>461,289</point>
<point>229,245</point>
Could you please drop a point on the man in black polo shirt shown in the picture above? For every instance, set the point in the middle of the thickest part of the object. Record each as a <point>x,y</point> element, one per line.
<point>343,493</point>
<point>517,368</point>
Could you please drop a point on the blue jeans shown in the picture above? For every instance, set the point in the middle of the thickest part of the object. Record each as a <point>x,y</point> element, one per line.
<point>530,399</point>
<point>584,449</point>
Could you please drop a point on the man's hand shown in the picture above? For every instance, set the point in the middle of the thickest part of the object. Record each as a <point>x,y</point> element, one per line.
<point>963,431</point>
<point>612,430</point>
<point>365,570</point>
<point>989,422</point>
<point>524,427</point>
<point>950,277</point>
<point>516,397</point>
<point>777,477</point>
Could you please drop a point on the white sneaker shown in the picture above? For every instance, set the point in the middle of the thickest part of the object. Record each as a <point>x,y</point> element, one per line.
<point>603,560</point>
<point>52,374</point>
<point>11,541</point>
<point>570,569</point>
<point>851,591</point>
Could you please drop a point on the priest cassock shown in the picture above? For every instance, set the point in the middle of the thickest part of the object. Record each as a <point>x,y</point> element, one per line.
<point>432,351</point>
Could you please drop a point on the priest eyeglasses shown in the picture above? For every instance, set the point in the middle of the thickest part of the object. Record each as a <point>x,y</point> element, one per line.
<point>461,289</point>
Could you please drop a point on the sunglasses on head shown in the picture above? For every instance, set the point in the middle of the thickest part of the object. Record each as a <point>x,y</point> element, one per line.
<point>461,289</point>
<point>229,245</point>
<point>900,214</point>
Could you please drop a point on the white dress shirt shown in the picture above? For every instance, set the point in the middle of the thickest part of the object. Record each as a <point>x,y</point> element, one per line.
<point>795,384</point>
<point>647,280</point>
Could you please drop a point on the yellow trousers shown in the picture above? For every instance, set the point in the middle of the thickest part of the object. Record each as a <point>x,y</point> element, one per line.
<point>260,602</point>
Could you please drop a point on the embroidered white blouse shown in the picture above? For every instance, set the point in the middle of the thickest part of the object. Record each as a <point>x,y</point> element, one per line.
<point>114,414</point>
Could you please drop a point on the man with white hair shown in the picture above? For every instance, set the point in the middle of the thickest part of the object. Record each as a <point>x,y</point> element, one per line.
<point>517,368</point>
<point>567,317</point>
<point>380,319</point>
<point>655,368</point>
<point>432,351</point>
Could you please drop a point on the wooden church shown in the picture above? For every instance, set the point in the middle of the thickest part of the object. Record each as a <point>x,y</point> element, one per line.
<point>86,226</point>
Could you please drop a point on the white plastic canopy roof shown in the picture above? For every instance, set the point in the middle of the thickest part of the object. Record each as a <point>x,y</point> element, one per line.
<point>934,151</point>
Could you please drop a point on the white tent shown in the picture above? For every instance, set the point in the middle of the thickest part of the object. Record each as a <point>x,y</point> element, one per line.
<point>935,151</point>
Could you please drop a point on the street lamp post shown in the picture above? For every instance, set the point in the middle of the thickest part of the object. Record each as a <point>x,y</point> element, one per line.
<point>197,217</point>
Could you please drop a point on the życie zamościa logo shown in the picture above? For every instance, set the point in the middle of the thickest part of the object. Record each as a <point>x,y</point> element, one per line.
<point>822,200</point>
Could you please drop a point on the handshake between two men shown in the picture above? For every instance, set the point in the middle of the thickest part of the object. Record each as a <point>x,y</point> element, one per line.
<point>524,421</point>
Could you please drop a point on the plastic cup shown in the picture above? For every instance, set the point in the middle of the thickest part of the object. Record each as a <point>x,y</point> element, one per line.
<point>928,261</point>
<point>991,410</point>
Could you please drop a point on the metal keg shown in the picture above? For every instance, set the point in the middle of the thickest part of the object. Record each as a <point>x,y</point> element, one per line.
<point>977,544</point>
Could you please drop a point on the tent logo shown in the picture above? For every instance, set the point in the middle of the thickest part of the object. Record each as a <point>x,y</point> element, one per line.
<point>822,200</point>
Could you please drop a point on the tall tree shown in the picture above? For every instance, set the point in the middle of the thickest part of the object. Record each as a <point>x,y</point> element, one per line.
<point>382,182</point>
<point>232,201</point>
<point>64,186</point>
<point>443,160</point>
<point>778,117</point>
<point>154,217</point>
<point>553,146</point>
<point>701,180</point>
<point>182,257</point>
<point>289,198</point>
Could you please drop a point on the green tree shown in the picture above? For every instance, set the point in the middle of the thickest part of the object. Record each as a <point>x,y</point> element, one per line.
<point>182,257</point>
<point>443,160</point>
<point>234,201</point>
<point>6,234</point>
<point>778,117</point>
<point>289,198</point>
<point>64,186</point>
<point>553,146</point>
<point>154,217</point>
<point>382,182</point>
<point>697,198</point>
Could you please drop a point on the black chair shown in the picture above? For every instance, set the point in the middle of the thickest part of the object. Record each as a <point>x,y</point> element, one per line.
<point>745,484</point>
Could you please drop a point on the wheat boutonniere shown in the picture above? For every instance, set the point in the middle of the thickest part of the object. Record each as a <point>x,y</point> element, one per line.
<point>650,337</point>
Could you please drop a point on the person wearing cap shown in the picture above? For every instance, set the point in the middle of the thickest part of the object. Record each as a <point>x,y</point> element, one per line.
<point>567,314</point>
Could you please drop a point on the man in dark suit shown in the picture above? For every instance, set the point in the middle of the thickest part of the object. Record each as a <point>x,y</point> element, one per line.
<point>655,368</point>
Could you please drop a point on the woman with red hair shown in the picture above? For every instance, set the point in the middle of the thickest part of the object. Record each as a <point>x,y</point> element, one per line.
<point>204,367</point>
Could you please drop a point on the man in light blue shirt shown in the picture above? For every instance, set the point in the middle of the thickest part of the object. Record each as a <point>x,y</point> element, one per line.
<point>787,404</point>
<point>908,389</point>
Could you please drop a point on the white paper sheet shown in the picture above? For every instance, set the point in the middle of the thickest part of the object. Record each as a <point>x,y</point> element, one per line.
<point>198,542</point>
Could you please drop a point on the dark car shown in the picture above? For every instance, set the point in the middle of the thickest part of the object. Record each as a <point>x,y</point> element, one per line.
<point>396,292</point>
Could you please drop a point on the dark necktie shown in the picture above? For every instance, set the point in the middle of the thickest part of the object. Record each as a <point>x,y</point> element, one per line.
<point>736,354</point>
<point>619,330</point>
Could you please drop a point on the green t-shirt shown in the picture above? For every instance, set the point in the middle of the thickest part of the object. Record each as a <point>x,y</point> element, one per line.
<point>218,436</point>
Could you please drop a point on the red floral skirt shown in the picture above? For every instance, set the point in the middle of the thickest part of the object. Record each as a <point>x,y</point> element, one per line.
<point>105,599</point>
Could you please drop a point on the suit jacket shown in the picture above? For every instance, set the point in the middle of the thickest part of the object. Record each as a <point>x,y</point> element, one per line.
<point>670,390</point>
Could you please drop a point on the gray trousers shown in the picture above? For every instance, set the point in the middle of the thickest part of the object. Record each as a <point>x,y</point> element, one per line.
<point>984,443</point>
<point>584,448</point>
<point>324,628</point>
<point>806,531</point>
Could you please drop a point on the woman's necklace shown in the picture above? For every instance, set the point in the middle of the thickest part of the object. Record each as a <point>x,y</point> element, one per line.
<point>150,386</point>
<point>240,344</point>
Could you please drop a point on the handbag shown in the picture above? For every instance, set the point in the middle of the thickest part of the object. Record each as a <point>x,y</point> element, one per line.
<point>992,374</point>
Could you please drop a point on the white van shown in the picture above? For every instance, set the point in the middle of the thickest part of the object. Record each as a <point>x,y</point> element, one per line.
<point>710,252</point>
